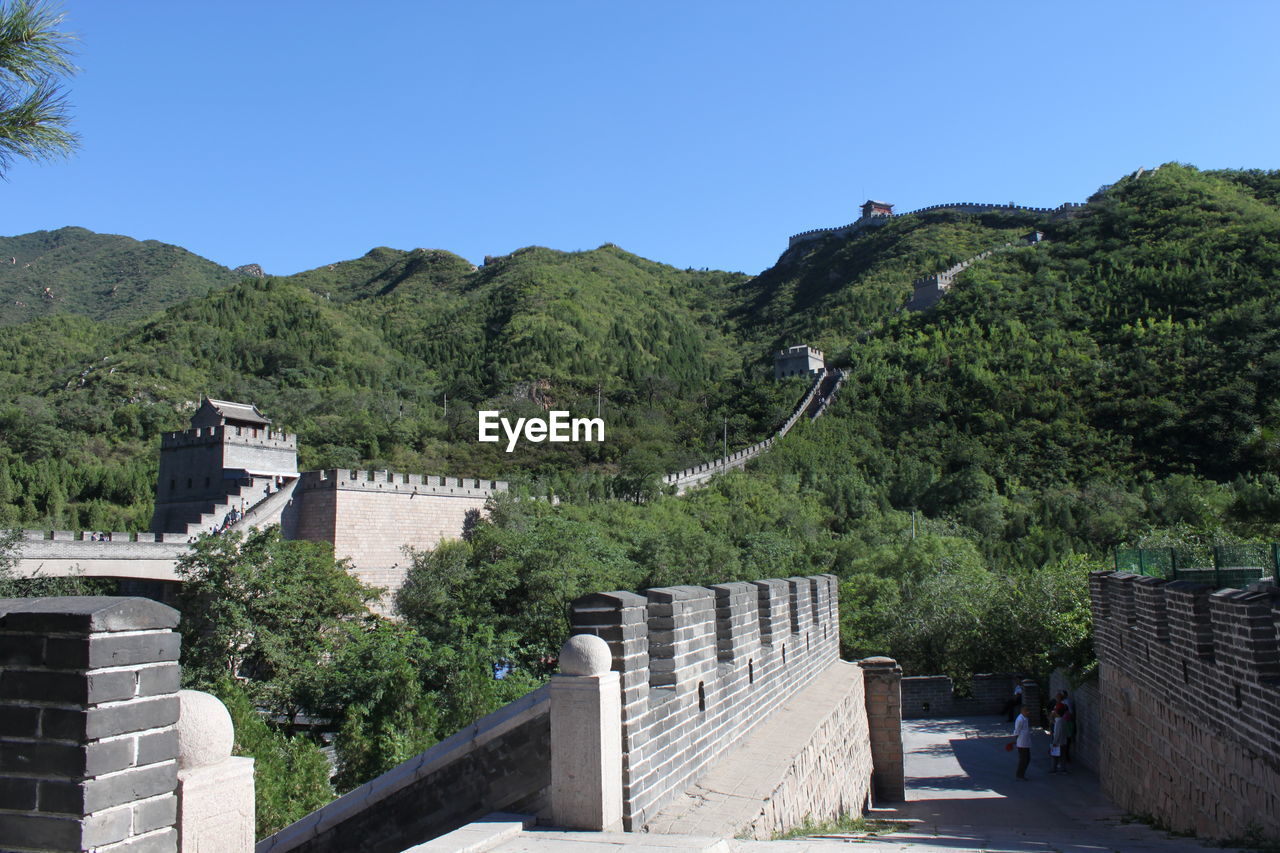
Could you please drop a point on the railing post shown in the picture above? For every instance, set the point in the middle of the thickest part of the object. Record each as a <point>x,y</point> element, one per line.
<point>586,737</point>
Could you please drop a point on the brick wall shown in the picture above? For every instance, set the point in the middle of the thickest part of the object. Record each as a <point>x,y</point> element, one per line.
<point>700,666</point>
<point>59,553</point>
<point>935,696</point>
<point>371,516</point>
<point>88,703</point>
<point>501,762</point>
<point>1086,705</point>
<point>1189,683</point>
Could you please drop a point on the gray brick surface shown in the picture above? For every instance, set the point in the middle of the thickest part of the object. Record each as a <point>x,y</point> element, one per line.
<point>159,680</point>
<point>39,832</point>
<point>130,785</point>
<point>154,814</point>
<point>157,747</point>
<point>135,716</point>
<point>86,614</point>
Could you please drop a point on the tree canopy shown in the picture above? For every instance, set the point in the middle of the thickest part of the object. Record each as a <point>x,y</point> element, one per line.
<point>34,56</point>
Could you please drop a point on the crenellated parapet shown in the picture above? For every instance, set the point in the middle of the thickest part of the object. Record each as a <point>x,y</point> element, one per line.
<point>198,436</point>
<point>391,482</point>
<point>700,666</point>
<point>1190,683</point>
<point>1062,210</point>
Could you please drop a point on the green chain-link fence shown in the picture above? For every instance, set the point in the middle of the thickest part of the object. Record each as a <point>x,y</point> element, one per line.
<point>1220,566</point>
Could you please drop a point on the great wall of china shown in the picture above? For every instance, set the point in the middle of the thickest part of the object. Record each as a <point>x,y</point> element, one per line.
<point>231,471</point>
<point>872,220</point>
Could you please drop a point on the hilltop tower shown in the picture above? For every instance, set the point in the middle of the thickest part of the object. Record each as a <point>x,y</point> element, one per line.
<point>227,461</point>
<point>872,208</point>
<point>803,360</point>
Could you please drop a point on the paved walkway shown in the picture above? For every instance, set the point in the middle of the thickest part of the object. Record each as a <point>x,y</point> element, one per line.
<point>962,796</point>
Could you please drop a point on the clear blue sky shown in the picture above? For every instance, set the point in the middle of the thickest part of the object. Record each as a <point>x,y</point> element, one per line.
<point>293,134</point>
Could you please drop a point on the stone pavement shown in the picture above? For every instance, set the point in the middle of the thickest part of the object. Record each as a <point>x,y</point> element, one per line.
<point>962,796</point>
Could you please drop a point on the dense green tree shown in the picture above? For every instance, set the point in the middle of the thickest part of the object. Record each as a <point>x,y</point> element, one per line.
<point>265,609</point>
<point>290,774</point>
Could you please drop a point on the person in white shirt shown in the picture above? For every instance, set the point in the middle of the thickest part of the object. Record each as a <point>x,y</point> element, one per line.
<point>1022,740</point>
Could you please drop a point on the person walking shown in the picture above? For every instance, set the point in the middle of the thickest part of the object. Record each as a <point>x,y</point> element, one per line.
<point>1022,740</point>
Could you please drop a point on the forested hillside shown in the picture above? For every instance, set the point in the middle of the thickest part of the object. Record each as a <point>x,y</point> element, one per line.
<point>1136,343</point>
<point>100,276</point>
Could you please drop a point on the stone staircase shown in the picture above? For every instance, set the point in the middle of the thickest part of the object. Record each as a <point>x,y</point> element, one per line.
<point>247,498</point>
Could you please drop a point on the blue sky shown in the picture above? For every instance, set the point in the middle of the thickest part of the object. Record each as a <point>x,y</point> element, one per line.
<point>701,134</point>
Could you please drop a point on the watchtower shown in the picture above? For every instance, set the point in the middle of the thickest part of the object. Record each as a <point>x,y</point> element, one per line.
<point>876,208</point>
<point>798,361</point>
<point>230,458</point>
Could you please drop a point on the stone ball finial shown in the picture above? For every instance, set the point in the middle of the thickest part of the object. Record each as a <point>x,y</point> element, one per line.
<point>585,654</point>
<point>205,732</point>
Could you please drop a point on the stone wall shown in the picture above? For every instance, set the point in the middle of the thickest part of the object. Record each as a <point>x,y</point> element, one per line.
<point>1061,211</point>
<point>688,673</point>
<point>501,762</point>
<point>935,696</point>
<point>1189,682</point>
<point>810,759</point>
<point>700,667</point>
<point>203,465</point>
<point>699,474</point>
<point>372,516</point>
<point>59,553</point>
<point>1086,704</point>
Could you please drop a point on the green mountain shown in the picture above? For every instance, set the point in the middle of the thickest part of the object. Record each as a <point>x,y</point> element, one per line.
<point>100,276</point>
<point>1047,392</point>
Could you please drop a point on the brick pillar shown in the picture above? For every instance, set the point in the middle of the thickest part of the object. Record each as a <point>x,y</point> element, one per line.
<point>883,680</point>
<point>1031,699</point>
<point>88,703</point>
<point>586,738</point>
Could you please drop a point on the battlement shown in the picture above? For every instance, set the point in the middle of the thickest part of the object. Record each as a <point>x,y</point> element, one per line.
<point>701,665</point>
<point>1230,631</point>
<point>704,471</point>
<point>878,219</point>
<point>111,538</point>
<point>1190,682</point>
<point>396,483</point>
<point>259,436</point>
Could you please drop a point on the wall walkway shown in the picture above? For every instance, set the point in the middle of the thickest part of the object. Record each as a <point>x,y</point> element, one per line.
<point>813,404</point>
